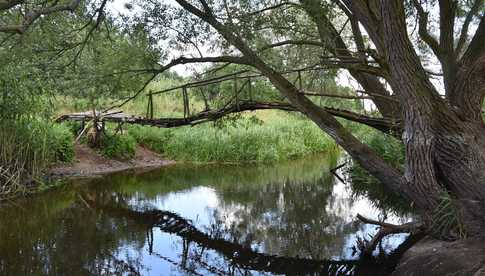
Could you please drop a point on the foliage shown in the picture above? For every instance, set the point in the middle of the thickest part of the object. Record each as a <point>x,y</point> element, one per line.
<point>446,220</point>
<point>246,139</point>
<point>118,146</point>
<point>61,142</point>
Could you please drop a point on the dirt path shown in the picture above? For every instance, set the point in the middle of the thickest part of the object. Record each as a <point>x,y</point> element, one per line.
<point>88,162</point>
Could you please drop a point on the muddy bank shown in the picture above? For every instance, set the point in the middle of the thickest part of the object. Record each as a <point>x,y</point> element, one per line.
<point>89,163</point>
<point>431,257</point>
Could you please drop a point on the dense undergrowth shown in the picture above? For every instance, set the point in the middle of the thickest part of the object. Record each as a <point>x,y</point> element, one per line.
<point>246,139</point>
<point>120,147</point>
<point>28,147</point>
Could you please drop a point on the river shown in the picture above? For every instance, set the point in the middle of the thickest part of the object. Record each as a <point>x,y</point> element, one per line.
<point>289,218</point>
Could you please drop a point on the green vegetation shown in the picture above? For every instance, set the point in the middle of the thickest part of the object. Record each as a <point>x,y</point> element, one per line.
<point>246,139</point>
<point>118,146</point>
<point>28,148</point>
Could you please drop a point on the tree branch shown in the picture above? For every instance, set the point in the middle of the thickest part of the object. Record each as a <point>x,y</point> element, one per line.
<point>291,42</point>
<point>476,49</point>
<point>469,92</point>
<point>365,74</point>
<point>381,124</point>
<point>447,24</point>
<point>329,95</point>
<point>367,247</point>
<point>5,5</point>
<point>32,16</point>
<point>464,29</point>
<point>423,29</point>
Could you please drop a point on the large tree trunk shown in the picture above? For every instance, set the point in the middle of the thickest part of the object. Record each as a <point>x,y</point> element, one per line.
<point>459,158</point>
<point>445,154</point>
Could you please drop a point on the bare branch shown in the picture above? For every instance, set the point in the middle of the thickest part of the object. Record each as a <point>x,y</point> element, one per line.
<point>329,95</point>
<point>367,247</point>
<point>380,124</point>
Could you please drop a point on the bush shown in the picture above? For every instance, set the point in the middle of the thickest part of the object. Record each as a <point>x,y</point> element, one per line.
<point>73,126</point>
<point>118,146</point>
<point>61,143</point>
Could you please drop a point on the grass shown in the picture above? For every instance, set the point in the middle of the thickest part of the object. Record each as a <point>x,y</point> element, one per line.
<point>28,147</point>
<point>279,136</point>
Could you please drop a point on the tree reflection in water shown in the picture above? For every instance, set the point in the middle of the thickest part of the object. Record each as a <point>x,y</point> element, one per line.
<point>238,258</point>
<point>294,216</point>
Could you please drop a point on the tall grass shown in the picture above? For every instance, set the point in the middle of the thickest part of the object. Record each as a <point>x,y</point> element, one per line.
<point>246,139</point>
<point>27,147</point>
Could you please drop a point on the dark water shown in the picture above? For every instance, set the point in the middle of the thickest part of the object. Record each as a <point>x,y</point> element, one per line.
<point>293,218</point>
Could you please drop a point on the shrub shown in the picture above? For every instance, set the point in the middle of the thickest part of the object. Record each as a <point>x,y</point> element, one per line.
<point>73,126</point>
<point>118,146</point>
<point>61,143</point>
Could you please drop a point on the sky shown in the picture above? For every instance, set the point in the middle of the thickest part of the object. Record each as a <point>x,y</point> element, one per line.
<point>118,6</point>
<point>343,78</point>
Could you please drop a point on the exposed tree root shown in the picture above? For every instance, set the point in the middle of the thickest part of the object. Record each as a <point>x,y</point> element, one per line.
<point>368,246</point>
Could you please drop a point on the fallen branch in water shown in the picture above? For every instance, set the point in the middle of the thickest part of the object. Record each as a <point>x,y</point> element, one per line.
<point>368,246</point>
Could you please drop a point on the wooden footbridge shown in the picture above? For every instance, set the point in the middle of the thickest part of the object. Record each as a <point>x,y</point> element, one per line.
<point>217,104</point>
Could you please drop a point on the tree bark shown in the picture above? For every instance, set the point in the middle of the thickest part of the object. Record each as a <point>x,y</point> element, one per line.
<point>444,153</point>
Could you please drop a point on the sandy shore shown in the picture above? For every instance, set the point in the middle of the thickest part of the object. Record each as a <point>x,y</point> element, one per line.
<point>89,163</point>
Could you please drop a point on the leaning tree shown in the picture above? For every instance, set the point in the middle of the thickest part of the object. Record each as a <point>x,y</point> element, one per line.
<point>387,47</point>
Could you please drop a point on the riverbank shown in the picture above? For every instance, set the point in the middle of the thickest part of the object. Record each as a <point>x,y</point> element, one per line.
<point>89,163</point>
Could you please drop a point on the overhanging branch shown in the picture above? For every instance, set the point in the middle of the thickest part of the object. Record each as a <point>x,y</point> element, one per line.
<point>32,16</point>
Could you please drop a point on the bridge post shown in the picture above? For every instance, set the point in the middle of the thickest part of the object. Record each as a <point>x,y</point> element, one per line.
<point>186,102</point>
<point>206,103</point>
<point>236,92</point>
<point>150,105</point>
<point>300,82</point>
<point>250,89</point>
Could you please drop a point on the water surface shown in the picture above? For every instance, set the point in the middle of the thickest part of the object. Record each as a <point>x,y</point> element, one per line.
<point>290,218</point>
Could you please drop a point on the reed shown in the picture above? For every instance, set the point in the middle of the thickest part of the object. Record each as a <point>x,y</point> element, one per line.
<point>27,147</point>
<point>247,139</point>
